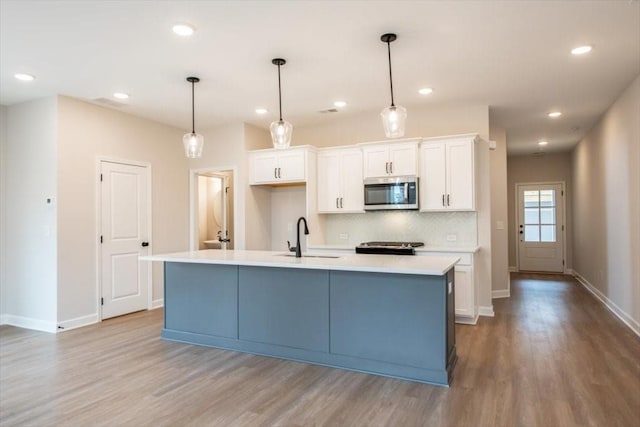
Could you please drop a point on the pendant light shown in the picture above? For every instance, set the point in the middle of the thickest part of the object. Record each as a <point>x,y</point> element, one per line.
<point>394,116</point>
<point>281,130</point>
<point>193,142</point>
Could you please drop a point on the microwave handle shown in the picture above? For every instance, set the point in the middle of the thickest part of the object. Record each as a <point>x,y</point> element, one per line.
<point>406,191</point>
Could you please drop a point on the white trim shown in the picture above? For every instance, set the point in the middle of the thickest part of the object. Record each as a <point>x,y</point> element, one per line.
<point>30,323</point>
<point>238,216</point>
<point>3,319</point>
<point>564,220</point>
<point>464,320</point>
<point>157,303</point>
<point>486,310</point>
<point>569,271</point>
<point>501,293</point>
<point>78,322</point>
<point>98,195</point>
<point>633,324</point>
<point>513,269</point>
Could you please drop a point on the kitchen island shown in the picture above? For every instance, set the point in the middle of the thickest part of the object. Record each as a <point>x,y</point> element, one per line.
<point>379,314</point>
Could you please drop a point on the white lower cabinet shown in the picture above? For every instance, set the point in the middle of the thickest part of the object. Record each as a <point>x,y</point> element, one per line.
<point>465,286</point>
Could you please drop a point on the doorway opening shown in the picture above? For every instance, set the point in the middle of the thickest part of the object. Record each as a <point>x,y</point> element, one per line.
<point>212,209</point>
<point>540,220</point>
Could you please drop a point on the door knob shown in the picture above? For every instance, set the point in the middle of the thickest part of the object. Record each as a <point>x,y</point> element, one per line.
<point>145,244</point>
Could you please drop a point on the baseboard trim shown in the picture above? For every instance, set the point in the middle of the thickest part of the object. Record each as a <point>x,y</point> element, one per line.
<point>486,310</point>
<point>157,303</point>
<point>78,322</point>
<point>501,293</point>
<point>29,323</point>
<point>3,319</point>
<point>610,305</point>
<point>464,320</point>
<point>513,269</point>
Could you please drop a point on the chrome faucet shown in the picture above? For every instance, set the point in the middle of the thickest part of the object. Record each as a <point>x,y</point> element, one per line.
<point>297,248</point>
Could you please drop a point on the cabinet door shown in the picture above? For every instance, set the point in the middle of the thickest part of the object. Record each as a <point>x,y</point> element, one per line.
<point>403,159</point>
<point>460,175</point>
<point>432,183</point>
<point>376,160</point>
<point>291,166</point>
<point>264,167</point>
<point>352,196</point>
<point>329,181</point>
<point>464,298</point>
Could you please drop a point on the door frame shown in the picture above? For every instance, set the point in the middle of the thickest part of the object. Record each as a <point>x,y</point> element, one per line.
<point>193,204</point>
<point>565,270</point>
<point>98,228</point>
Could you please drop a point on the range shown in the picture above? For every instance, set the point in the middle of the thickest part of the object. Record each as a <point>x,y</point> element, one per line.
<point>388,248</point>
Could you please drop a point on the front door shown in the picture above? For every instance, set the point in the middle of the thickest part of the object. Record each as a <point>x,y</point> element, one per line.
<point>124,236</point>
<point>540,227</point>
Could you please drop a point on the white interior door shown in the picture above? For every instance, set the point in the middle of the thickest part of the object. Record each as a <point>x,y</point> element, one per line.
<point>540,227</point>
<point>124,236</point>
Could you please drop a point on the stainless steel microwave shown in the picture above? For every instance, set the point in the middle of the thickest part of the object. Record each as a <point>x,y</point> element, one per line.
<point>384,193</point>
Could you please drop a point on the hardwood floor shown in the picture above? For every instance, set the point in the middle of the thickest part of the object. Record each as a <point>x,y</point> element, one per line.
<point>552,356</point>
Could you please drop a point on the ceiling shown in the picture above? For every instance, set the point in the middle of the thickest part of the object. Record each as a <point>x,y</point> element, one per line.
<point>513,56</point>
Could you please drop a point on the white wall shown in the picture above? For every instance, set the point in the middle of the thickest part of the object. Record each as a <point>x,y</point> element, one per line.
<point>606,176</point>
<point>3,214</point>
<point>29,165</point>
<point>85,132</point>
<point>499,215</point>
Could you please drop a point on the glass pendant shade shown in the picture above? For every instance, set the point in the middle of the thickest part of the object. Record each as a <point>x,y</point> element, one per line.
<point>281,131</point>
<point>193,143</point>
<point>393,119</point>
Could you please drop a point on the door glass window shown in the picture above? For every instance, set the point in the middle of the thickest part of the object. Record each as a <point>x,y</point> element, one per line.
<point>540,216</point>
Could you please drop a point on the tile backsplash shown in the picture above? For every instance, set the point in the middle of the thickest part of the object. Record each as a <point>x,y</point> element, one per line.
<point>450,229</point>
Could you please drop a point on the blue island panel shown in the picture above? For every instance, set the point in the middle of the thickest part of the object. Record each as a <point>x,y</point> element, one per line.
<point>201,299</point>
<point>392,318</point>
<point>284,306</point>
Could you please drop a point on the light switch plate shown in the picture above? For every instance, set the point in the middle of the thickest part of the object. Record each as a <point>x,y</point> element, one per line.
<point>499,225</point>
<point>452,237</point>
<point>344,236</point>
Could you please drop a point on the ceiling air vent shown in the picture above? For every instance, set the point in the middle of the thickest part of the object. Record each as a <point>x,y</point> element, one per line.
<point>539,153</point>
<point>328,110</point>
<point>108,102</point>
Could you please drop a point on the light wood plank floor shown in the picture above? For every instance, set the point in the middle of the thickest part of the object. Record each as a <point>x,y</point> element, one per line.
<point>552,356</point>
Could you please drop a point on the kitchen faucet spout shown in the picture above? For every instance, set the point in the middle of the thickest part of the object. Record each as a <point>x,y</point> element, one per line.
<point>306,231</point>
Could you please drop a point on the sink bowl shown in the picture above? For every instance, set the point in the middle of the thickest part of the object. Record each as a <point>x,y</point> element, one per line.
<point>310,255</point>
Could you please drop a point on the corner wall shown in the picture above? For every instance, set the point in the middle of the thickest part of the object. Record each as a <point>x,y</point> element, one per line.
<point>500,220</point>
<point>29,165</point>
<point>3,214</point>
<point>606,175</point>
<point>86,132</point>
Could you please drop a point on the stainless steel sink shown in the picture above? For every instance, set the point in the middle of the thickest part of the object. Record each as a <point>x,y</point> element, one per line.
<point>310,255</point>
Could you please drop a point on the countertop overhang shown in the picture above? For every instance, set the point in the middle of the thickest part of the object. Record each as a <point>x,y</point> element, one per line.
<point>397,264</point>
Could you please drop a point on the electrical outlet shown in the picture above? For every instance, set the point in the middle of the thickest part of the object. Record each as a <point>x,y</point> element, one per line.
<point>452,237</point>
<point>499,225</point>
<point>344,236</point>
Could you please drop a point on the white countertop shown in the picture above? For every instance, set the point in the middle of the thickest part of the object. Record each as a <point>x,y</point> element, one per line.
<point>454,249</point>
<point>399,264</point>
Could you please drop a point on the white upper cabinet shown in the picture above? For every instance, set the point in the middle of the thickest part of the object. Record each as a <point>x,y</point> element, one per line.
<point>390,159</point>
<point>340,188</point>
<point>447,174</point>
<point>275,166</point>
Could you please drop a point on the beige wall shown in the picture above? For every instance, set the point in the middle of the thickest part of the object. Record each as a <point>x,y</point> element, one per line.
<point>606,173</point>
<point>85,132</point>
<point>3,214</point>
<point>554,167</point>
<point>421,122</point>
<point>29,166</point>
<point>499,215</point>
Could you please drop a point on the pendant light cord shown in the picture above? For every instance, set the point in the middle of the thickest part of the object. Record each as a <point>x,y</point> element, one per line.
<point>390,76</point>
<point>193,108</point>
<point>279,93</point>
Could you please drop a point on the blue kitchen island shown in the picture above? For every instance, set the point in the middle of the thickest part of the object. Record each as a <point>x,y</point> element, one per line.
<point>380,314</point>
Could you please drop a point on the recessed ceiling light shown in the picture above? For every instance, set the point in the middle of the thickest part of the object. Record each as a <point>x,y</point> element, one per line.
<point>261,111</point>
<point>340,104</point>
<point>543,143</point>
<point>184,30</point>
<point>24,77</point>
<point>121,95</point>
<point>581,50</point>
<point>554,114</point>
<point>425,91</point>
